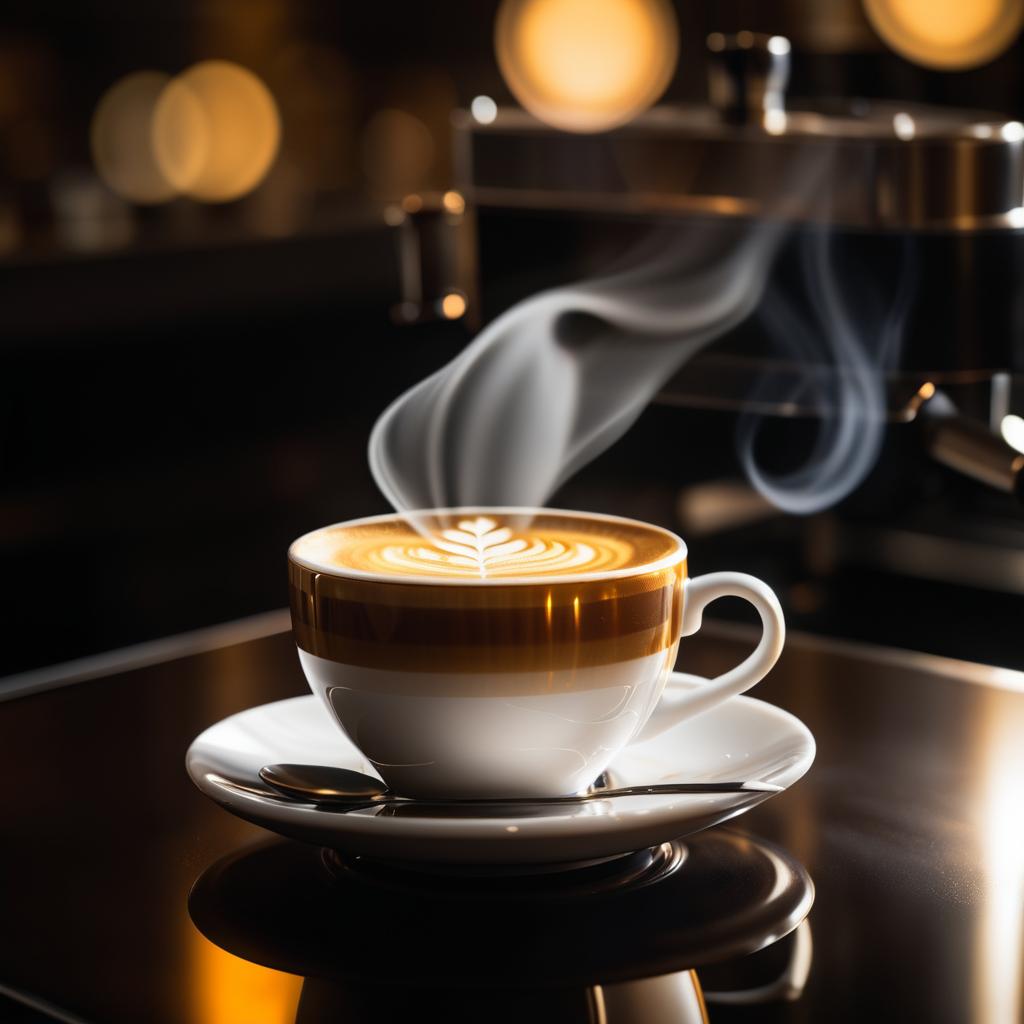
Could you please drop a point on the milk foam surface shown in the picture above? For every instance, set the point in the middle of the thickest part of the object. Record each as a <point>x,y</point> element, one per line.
<point>485,545</point>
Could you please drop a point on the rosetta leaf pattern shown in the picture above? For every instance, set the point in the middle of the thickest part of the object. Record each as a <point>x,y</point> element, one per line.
<point>484,548</point>
<point>478,542</point>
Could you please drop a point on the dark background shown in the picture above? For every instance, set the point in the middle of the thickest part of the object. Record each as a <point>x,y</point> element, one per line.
<point>186,388</point>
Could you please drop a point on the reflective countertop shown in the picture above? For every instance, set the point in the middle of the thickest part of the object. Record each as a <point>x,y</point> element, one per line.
<point>910,825</point>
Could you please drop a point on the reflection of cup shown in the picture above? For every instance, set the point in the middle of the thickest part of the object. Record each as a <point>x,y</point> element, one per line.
<point>537,947</point>
<point>496,652</point>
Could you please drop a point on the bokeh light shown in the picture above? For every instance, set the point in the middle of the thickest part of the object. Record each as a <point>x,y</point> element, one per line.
<point>121,139</point>
<point>1012,429</point>
<point>216,131</point>
<point>180,135</point>
<point>904,126</point>
<point>947,34</point>
<point>453,305</point>
<point>586,65</point>
<point>453,202</point>
<point>483,109</point>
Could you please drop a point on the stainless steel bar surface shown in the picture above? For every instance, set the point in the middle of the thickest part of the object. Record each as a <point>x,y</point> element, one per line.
<point>909,825</point>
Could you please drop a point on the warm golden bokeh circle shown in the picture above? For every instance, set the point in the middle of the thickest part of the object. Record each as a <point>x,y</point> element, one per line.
<point>453,305</point>
<point>119,137</point>
<point>180,135</point>
<point>216,131</point>
<point>586,65</point>
<point>947,34</point>
<point>211,133</point>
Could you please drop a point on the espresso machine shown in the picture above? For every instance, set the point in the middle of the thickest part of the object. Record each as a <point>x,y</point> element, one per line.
<point>920,210</point>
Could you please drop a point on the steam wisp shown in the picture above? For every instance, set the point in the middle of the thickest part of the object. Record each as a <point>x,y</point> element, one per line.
<point>558,378</point>
<point>843,340</point>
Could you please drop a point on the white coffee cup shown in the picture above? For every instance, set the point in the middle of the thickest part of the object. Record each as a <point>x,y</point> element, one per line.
<point>506,652</point>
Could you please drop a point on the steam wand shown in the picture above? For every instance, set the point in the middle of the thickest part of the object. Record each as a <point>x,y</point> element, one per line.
<point>969,447</point>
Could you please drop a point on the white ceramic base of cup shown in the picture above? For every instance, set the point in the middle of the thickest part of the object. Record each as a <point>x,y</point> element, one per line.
<point>487,745</point>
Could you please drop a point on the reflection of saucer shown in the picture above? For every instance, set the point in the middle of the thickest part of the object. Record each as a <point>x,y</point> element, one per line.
<point>278,905</point>
<point>742,738</point>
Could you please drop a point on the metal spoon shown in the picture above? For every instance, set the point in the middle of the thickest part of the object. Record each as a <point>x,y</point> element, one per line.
<point>344,789</point>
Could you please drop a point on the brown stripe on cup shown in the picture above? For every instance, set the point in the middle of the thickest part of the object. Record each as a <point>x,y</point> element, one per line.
<point>495,629</point>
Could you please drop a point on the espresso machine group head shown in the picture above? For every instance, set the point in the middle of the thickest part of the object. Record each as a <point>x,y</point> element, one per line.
<point>924,195</point>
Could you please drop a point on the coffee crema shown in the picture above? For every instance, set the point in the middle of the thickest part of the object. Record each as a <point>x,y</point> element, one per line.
<point>489,544</point>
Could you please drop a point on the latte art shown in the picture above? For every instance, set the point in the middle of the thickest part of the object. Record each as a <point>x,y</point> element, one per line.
<point>479,547</point>
<point>489,544</point>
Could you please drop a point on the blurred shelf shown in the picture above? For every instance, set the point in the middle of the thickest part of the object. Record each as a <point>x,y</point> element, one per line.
<point>63,295</point>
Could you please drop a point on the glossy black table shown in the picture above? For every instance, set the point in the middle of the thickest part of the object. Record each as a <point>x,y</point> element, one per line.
<point>911,825</point>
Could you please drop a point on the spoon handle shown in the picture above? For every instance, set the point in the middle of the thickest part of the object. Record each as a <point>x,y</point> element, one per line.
<point>671,788</point>
<point>668,788</point>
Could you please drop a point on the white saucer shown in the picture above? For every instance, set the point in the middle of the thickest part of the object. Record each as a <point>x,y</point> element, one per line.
<point>742,738</point>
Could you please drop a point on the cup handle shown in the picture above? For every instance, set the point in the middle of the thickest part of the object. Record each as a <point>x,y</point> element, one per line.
<point>677,705</point>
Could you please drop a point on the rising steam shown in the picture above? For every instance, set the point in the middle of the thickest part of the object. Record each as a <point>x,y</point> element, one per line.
<point>558,378</point>
<point>842,353</point>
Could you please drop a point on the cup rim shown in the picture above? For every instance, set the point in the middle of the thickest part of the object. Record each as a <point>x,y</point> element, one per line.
<point>679,554</point>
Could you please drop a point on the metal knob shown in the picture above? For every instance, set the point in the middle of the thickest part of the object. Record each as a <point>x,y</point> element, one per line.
<point>971,448</point>
<point>747,75</point>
